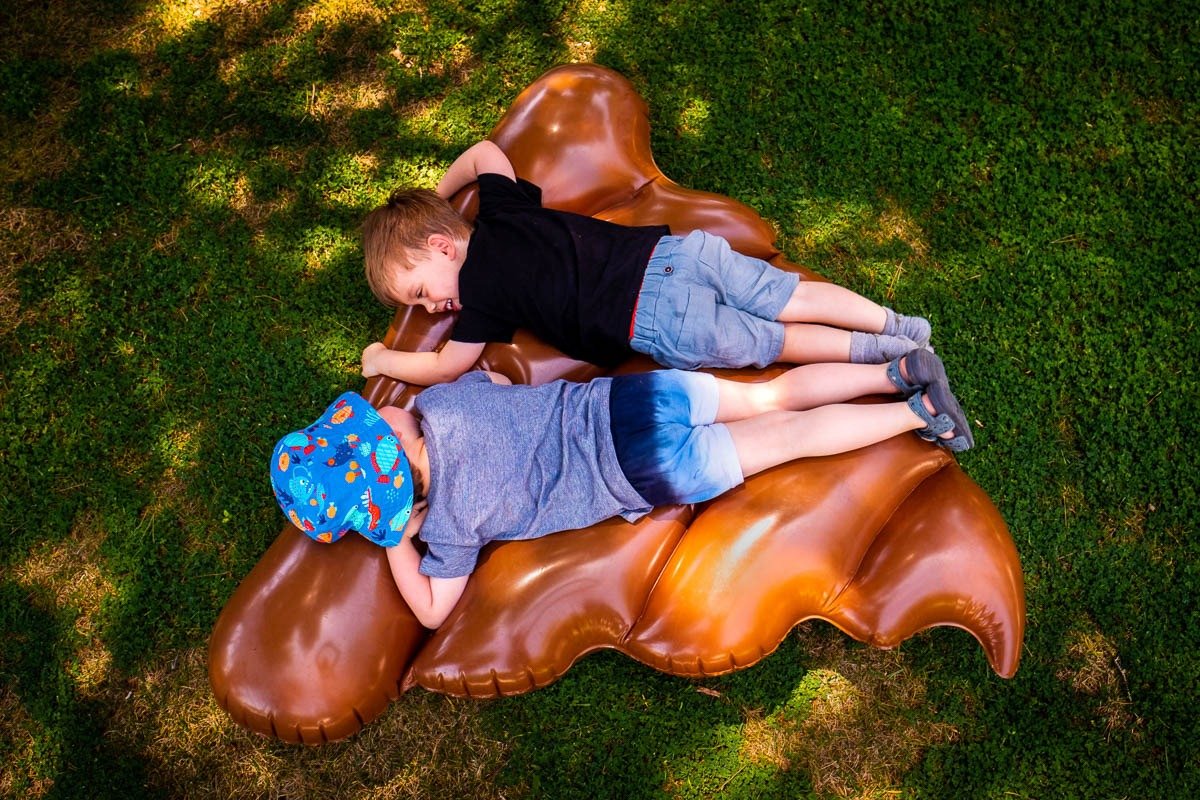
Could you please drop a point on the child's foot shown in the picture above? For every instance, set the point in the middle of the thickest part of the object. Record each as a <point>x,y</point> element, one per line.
<point>916,328</point>
<point>915,370</point>
<point>945,422</point>
<point>878,348</point>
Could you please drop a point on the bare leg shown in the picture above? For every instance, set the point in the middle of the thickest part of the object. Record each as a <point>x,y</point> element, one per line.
<point>774,438</point>
<point>830,304</point>
<point>814,344</point>
<point>802,388</point>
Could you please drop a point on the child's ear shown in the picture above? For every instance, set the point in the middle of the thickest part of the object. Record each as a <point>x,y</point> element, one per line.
<point>440,243</point>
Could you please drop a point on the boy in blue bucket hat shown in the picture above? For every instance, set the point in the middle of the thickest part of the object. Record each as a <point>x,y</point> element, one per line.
<point>344,472</point>
<point>483,460</point>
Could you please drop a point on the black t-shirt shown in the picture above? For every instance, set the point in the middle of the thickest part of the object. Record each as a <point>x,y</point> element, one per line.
<point>571,280</point>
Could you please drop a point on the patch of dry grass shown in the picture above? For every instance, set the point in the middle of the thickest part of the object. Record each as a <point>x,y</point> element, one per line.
<point>582,25</point>
<point>1091,667</point>
<point>37,29</point>
<point>28,235</point>
<point>424,746</point>
<point>167,19</point>
<point>842,236</point>
<point>896,223</point>
<point>36,149</point>
<point>19,733</point>
<point>71,576</point>
<point>858,731</point>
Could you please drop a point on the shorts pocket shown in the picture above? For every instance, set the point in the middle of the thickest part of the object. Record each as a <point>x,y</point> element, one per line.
<point>701,338</point>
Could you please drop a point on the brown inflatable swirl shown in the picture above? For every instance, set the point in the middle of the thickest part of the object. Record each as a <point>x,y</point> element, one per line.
<point>882,542</point>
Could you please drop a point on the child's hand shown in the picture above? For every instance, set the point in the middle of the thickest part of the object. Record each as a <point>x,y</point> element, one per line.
<point>371,358</point>
<point>419,510</point>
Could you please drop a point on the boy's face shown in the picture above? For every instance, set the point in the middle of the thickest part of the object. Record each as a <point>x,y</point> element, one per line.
<point>432,280</point>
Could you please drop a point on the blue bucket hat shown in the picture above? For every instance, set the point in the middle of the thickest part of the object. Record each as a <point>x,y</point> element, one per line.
<point>344,472</point>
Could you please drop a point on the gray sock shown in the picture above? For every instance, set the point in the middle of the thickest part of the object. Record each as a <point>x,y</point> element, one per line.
<point>916,328</point>
<point>878,348</point>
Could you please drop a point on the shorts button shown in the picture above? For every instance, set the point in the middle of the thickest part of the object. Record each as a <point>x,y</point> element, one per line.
<point>669,270</point>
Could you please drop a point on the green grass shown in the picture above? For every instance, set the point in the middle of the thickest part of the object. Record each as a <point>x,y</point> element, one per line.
<point>180,281</point>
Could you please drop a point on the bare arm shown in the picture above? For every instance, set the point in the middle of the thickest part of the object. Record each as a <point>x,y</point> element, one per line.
<point>431,599</point>
<point>423,369</point>
<point>481,157</point>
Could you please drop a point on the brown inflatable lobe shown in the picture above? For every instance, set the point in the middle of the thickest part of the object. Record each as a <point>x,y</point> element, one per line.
<point>310,646</point>
<point>535,607</point>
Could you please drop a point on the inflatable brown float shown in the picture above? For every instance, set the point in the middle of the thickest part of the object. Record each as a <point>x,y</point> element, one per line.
<point>882,542</point>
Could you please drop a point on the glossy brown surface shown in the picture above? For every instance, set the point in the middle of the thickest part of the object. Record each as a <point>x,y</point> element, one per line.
<point>882,542</point>
<point>297,651</point>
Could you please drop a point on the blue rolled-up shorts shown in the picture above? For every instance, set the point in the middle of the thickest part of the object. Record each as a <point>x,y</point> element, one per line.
<point>703,304</point>
<point>666,438</point>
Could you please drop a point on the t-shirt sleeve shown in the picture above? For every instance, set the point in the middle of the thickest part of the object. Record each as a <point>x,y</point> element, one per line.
<point>430,393</point>
<point>477,327</point>
<point>448,560</point>
<point>498,193</point>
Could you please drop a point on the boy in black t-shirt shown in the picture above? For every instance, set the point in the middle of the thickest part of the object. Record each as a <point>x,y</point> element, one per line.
<point>599,291</point>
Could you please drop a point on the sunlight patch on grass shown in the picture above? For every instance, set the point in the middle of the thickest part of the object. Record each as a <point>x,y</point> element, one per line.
<point>321,245</point>
<point>1091,666</point>
<point>170,19</point>
<point>179,447</point>
<point>894,223</point>
<point>693,119</point>
<point>584,25</point>
<point>447,61</point>
<point>334,103</point>
<point>858,239</point>
<point>349,180</point>
<point>825,222</point>
<point>856,724</point>
<point>174,17</point>
<point>69,573</point>
<point>254,210</point>
<point>424,746</point>
<point>214,183</point>
<point>332,12</point>
<point>220,181</point>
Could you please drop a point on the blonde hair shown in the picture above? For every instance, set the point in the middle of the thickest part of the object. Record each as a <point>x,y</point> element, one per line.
<point>402,225</point>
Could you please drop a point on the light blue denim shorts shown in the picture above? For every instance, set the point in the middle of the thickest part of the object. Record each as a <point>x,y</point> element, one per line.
<point>667,442</point>
<point>702,304</point>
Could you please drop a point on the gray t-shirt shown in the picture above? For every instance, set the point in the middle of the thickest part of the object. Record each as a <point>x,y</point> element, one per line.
<point>516,462</point>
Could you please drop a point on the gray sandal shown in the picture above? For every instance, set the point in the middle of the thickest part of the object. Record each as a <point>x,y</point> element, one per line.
<point>924,368</point>
<point>949,418</point>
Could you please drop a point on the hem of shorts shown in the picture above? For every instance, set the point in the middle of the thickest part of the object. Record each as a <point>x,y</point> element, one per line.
<point>776,346</point>
<point>795,282</point>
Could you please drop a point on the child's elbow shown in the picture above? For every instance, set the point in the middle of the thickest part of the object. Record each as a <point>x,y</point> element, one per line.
<point>431,619</point>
